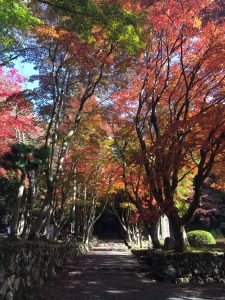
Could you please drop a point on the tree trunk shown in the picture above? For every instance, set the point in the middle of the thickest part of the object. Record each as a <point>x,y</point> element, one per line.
<point>140,239</point>
<point>128,235</point>
<point>31,198</point>
<point>179,234</point>
<point>87,236</point>
<point>32,191</point>
<point>42,217</point>
<point>26,223</point>
<point>153,232</point>
<point>16,210</point>
<point>47,221</point>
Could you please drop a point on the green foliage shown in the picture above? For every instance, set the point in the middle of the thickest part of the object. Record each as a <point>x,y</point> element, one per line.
<point>183,192</point>
<point>216,232</point>
<point>15,18</point>
<point>117,24</point>
<point>128,205</point>
<point>200,237</point>
<point>36,208</point>
<point>8,191</point>
<point>41,153</point>
<point>25,156</point>
<point>135,246</point>
<point>123,27</point>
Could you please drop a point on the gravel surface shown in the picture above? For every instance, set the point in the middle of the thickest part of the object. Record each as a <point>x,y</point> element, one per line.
<point>107,274</point>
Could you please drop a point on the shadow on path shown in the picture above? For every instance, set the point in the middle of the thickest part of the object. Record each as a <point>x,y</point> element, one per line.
<point>117,274</point>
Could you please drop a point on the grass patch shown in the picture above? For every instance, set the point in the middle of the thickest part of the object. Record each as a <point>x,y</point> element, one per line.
<point>135,246</point>
<point>206,249</point>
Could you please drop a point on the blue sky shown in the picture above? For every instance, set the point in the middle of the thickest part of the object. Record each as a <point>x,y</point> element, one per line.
<point>26,70</point>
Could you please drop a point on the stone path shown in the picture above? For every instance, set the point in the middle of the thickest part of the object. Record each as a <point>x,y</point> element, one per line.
<point>105,273</point>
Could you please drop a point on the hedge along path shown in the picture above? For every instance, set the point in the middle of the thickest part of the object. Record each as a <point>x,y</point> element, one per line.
<point>108,272</point>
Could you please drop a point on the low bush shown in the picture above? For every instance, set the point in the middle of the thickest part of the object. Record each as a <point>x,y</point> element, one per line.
<point>200,237</point>
<point>217,233</point>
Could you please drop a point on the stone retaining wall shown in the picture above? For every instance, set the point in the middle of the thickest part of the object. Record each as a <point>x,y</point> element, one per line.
<point>188,267</point>
<point>25,265</point>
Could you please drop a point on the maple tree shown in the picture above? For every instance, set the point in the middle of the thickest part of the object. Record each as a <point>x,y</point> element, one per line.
<point>18,127</point>
<point>129,204</point>
<point>86,179</point>
<point>119,20</point>
<point>180,115</point>
<point>15,110</point>
<point>67,82</point>
<point>66,70</point>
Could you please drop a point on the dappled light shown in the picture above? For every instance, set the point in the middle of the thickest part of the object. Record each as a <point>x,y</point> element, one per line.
<point>108,275</point>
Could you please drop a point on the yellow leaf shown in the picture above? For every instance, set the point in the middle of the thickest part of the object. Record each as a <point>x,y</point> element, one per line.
<point>197,23</point>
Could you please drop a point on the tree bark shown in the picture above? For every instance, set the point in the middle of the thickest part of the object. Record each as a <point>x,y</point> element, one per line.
<point>16,210</point>
<point>181,242</point>
<point>153,232</point>
<point>31,198</point>
<point>43,215</point>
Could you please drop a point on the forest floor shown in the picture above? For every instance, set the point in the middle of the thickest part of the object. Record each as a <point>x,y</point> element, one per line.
<point>108,272</point>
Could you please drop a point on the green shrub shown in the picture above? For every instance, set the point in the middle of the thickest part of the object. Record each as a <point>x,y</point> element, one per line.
<point>217,233</point>
<point>200,237</point>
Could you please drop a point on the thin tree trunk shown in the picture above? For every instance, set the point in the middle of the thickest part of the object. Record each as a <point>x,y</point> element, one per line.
<point>16,210</point>
<point>74,201</point>
<point>26,223</point>
<point>31,198</point>
<point>47,221</point>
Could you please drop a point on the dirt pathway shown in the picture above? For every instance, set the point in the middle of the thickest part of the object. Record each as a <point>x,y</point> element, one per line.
<point>116,274</point>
